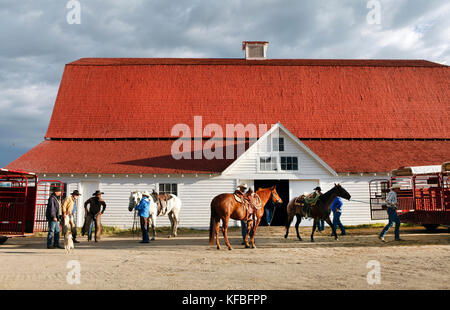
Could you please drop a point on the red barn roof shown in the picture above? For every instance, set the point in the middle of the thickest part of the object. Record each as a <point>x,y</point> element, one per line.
<point>150,157</point>
<point>312,98</point>
<point>349,104</point>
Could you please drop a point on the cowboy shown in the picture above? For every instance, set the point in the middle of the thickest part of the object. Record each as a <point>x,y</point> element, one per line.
<point>317,192</point>
<point>93,214</point>
<point>144,214</point>
<point>336,207</point>
<point>53,215</point>
<point>313,197</point>
<point>69,208</point>
<point>391,201</point>
<point>241,191</point>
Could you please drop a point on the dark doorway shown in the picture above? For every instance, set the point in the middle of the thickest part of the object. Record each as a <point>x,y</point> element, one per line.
<point>279,211</point>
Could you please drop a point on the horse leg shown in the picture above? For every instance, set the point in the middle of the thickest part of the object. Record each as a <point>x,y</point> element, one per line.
<point>225,232</point>
<point>153,218</point>
<point>170,215</point>
<point>175,221</point>
<point>299,219</point>
<point>288,224</point>
<point>249,228</point>
<point>254,232</point>
<point>216,232</point>
<point>313,229</point>
<point>332,227</point>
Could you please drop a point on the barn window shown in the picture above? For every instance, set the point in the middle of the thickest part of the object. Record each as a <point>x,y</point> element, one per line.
<point>289,163</point>
<point>278,144</point>
<point>268,163</point>
<point>170,188</point>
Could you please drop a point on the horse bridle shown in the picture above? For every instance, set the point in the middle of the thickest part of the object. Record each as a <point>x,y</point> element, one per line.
<point>278,200</point>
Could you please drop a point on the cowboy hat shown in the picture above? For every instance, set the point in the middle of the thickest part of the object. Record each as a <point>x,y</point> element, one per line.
<point>55,189</point>
<point>75,193</point>
<point>146,193</point>
<point>97,192</point>
<point>243,185</point>
<point>318,189</point>
<point>395,186</point>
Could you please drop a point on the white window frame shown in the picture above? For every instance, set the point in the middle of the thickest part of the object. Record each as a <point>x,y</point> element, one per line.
<point>171,184</point>
<point>290,156</point>
<point>278,158</point>
<point>278,144</point>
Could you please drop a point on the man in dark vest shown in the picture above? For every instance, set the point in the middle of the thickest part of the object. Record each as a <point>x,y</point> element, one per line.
<point>93,214</point>
<point>53,215</point>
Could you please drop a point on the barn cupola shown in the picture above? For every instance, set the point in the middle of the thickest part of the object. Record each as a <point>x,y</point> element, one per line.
<point>255,50</point>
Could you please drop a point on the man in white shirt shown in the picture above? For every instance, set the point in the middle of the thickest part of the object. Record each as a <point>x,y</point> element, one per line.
<point>391,201</point>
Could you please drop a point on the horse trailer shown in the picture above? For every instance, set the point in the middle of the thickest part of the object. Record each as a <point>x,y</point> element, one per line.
<point>423,196</point>
<point>23,203</point>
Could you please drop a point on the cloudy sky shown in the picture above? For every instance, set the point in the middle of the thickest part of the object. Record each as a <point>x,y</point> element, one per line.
<point>37,40</point>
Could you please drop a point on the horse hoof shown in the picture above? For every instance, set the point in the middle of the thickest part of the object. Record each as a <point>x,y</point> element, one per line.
<point>169,236</point>
<point>312,240</point>
<point>153,239</point>
<point>230,249</point>
<point>285,236</point>
<point>300,239</point>
<point>247,246</point>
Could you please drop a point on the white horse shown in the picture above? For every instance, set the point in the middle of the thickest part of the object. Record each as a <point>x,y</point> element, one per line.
<point>172,209</point>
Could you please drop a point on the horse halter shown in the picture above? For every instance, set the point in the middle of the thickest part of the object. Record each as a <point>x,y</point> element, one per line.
<point>277,200</point>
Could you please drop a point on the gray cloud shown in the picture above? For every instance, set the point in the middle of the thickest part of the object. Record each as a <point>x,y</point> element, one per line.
<point>37,41</point>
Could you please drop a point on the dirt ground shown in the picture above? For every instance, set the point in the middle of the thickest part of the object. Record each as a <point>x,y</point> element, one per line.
<point>189,262</point>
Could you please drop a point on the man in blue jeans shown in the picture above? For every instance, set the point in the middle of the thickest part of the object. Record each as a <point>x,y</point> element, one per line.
<point>53,215</point>
<point>336,207</point>
<point>144,213</point>
<point>391,201</point>
<point>244,231</point>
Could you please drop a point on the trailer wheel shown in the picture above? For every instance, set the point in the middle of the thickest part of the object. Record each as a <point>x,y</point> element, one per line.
<point>431,227</point>
<point>3,239</point>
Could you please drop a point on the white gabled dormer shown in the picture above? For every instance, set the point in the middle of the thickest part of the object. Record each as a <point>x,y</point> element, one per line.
<point>278,154</point>
<point>255,50</point>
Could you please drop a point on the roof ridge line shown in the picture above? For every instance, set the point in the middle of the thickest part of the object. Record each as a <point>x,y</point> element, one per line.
<point>142,61</point>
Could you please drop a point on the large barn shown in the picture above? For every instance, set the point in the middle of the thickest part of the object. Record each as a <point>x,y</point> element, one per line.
<point>346,121</point>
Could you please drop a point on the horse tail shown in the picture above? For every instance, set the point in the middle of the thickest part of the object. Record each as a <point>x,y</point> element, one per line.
<point>287,223</point>
<point>212,222</point>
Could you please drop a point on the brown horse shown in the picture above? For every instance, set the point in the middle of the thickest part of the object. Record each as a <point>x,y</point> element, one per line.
<point>224,207</point>
<point>321,211</point>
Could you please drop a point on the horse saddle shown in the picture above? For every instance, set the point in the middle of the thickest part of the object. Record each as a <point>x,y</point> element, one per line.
<point>250,201</point>
<point>311,200</point>
<point>162,200</point>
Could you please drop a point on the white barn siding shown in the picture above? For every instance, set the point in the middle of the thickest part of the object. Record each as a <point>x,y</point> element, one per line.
<point>195,193</point>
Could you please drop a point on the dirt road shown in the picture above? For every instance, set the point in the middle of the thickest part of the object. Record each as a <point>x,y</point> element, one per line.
<point>188,262</point>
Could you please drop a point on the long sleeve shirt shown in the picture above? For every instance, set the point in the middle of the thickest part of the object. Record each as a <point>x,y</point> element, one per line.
<point>68,206</point>
<point>391,199</point>
<point>144,207</point>
<point>96,205</point>
<point>53,208</point>
<point>336,206</point>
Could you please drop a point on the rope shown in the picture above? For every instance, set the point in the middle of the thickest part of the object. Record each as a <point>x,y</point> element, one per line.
<point>360,201</point>
<point>134,224</point>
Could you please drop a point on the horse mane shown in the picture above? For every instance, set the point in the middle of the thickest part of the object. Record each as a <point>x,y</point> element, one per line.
<point>327,195</point>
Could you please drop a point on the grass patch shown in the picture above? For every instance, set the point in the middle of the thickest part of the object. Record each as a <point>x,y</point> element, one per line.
<point>361,226</point>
